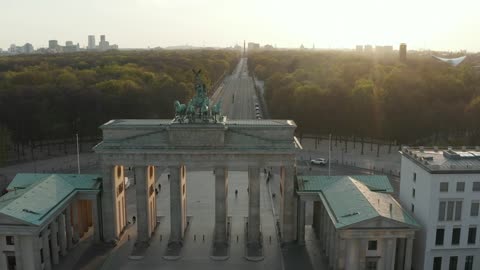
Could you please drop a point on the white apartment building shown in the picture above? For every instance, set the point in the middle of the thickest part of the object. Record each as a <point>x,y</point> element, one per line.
<point>442,190</point>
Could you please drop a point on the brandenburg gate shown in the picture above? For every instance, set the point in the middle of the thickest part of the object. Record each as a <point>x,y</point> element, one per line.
<point>198,137</point>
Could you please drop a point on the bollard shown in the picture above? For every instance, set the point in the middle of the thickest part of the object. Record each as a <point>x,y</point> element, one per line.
<point>194,237</point>
<point>160,237</point>
<point>270,239</point>
<point>204,237</point>
<point>237,238</point>
<point>128,237</point>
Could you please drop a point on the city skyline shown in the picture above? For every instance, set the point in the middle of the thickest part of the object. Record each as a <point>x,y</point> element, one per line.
<point>426,25</point>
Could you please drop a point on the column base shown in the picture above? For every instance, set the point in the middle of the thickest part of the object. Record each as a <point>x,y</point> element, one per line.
<point>253,249</point>
<point>174,250</point>
<point>139,250</point>
<point>221,249</point>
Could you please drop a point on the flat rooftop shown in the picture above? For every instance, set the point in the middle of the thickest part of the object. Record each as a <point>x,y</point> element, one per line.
<point>450,160</point>
<point>134,123</point>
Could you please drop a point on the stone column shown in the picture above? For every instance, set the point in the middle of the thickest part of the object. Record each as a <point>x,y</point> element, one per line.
<point>95,220</point>
<point>301,221</point>
<point>288,206</point>
<point>177,203</point>
<point>253,228</point>
<point>408,254</point>
<point>62,235</point>
<point>316,216</point>
<point>143,207</point>
<point>352,261</point>
<point>28,255</point>
<point>3,261</point>
<point>47,263</point>
<point>389,250</point>
<point>221,206</point>
<point>76,221</point>
<point>18,253</point>
<point>54,241</point>
<point>400,257</point>
<point>68,227</point>
<point>109,209</point>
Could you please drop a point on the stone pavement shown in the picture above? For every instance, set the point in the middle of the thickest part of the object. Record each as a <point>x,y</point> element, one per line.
<point>198,238</point>
<point>386,162</point>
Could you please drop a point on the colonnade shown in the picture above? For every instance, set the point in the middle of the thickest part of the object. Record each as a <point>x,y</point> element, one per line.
<point>113,203</point>
<point>44,250</point>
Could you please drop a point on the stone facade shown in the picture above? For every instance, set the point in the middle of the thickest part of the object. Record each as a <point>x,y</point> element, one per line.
<point>223,146</point>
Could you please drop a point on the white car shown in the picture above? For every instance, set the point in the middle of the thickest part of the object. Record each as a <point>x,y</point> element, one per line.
<point>319,161</point>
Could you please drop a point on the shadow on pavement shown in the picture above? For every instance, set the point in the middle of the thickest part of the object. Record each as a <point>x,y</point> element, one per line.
<point>296,257</point>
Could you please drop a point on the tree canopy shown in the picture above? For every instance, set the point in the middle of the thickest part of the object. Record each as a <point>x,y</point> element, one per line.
<point>55,96</point>
<point>422,101</point>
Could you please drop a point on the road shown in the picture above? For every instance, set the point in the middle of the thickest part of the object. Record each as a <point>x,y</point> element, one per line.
<point>238,98</point>
<point>238,94</point>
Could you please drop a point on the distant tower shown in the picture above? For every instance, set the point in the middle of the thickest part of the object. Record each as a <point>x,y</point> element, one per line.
<point>243,47</point>
<point>52,44</point>
<point>91,42</point>
<point>403,52</point>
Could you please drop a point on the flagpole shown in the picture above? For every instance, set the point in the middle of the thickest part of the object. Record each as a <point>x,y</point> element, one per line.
<point>329,152</point>
<point>78,155</point>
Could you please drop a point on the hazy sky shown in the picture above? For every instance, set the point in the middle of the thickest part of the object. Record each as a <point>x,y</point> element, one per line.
<point>434,24</point>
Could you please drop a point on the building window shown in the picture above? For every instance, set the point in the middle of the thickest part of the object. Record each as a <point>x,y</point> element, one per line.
<point>469,263</point>
<point>456,236</point>
<point>413,193</point>
<point>441,211</point>
<point>414,177</point>
<point>453,263</point>
<point>454,210</point>
<point>10,240</point>
<point>450,207</point>
<point>472,235</point>
<point>437,263</point>
<point>444,187</point>
<point>371,265</point>
<point>476,186</point>
<point>458,210</point>
<point>439,236</point>
<point>372,245</point>
<point>460,186</point>
<point>474,209</point>
<point>413,207</point>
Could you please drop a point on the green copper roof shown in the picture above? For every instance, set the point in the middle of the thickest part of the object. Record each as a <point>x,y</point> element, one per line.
<point>315,183</point>
<point>349,201</point>
<point>32,198</point>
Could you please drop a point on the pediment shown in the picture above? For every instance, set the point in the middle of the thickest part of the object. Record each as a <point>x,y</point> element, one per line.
<point>380,222</point>
<point>9,220</point>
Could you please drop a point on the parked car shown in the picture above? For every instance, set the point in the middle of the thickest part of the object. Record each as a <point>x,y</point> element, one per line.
<point>319,161</point>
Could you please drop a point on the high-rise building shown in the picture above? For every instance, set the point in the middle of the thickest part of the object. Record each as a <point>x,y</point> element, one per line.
<point>368,49</point>
<point>69,43</point>
<point>359,48</point>
<point>28,48</point>
<point>442,190</point>
<point>403,52</point>
<point>91,42</point>
<point>53,44</point>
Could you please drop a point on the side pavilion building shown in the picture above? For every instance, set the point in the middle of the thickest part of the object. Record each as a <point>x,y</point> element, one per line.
<point>359,224</point>
<point>43,216</point>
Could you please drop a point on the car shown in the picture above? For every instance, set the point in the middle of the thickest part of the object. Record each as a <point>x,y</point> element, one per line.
<point>319,161</point>
<point>258,117</point>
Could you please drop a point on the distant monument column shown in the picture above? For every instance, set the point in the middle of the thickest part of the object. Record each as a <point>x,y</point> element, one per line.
<point>178,207</point>
<point>253,205</point>
<point>221,206</point>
